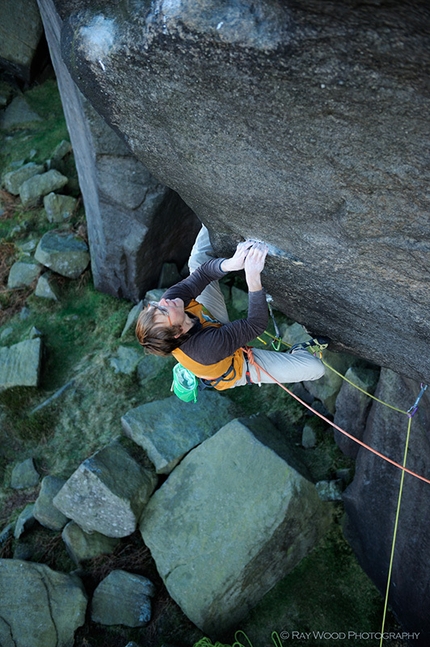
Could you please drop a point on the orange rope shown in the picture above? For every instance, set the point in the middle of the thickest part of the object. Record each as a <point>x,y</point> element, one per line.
<point>332,424</point>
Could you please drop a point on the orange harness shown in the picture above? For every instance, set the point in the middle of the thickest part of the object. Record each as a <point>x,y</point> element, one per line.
<point>221,375</point>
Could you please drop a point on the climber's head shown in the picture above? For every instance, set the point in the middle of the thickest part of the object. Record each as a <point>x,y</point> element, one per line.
<point>163,326</point>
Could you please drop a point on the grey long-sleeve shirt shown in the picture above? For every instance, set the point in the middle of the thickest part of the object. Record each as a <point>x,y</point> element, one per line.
<point>212,344</point>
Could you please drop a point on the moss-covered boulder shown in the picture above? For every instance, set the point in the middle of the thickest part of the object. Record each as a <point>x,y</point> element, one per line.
<point>230,521</point>
<point>169,428</point>
<point>107,492</point>
<point>39,607</point>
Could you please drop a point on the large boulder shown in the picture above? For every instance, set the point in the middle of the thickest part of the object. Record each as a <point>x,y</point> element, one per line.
<point>371,502</point>
<point>20,33</point>
<point>169,428</point>
<point>230,521</point>
<point>39,607</point>
<point>107,492</point>
<point>135,222</point>
<point>276,120</point>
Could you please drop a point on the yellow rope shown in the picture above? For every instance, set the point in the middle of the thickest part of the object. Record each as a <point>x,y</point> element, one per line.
<point>396,523</point>
<point>390,406</point>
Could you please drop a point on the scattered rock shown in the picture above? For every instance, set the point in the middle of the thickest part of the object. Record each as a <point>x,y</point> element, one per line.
<point>154,295</point>
<point>309,437</point>
<point>82,546</point>
<point>169,428</point>
<point>230,521</point>
<point>20,364</point>
<point>64,253</point>
<point>59,207</point>
<point>126,360</point>
<point>24,475</point>
<point>18,113</point>
<point>132,317</point>
<point>34,333</point>
<point>107,492</point>
<point>23,273</point>
<point>6,533</point>
<point>61,150</point>
<point>44,288</point>
<point>329,490</point>
<point>25,521</point>
<point>39,607</point>
<point>14,179</point>
<point>123,599</point>
<point>28,247</point>
<point>24,313</point>
<point>294,334</point>
<point>32,191</point>
<point>44,510</point>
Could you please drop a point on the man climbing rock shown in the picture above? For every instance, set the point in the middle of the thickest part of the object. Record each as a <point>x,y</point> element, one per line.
<point>191,323</point>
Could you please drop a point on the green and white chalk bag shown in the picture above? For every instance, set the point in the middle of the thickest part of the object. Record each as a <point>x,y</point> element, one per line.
<point>185,384</point>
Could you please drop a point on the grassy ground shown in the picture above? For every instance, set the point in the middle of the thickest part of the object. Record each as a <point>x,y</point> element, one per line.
<point>326,592</point>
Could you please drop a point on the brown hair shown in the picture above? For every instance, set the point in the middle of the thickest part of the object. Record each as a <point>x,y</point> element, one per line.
<point>156,338</point>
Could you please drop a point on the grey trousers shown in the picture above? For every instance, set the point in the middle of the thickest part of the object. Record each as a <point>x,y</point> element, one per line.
<point>282,367</point>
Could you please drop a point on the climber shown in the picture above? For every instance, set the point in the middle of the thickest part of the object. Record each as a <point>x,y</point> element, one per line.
<point>191,323</point>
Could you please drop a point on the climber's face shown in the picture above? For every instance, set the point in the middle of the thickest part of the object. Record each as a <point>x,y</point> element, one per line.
<point>170,312</point>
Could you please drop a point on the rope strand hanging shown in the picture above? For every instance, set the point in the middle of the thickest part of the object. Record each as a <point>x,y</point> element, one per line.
<point>410,413</point>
